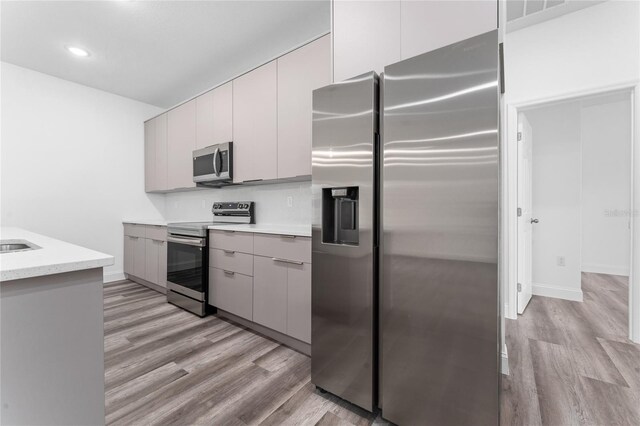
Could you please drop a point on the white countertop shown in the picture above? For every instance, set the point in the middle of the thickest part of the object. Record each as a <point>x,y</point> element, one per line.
<point>53,257</point>
<point>278,229</point>
<point>147,222</point>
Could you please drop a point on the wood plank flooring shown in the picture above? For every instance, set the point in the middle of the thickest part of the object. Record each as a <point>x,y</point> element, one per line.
<point>571,363</point>
<point>166,366</point>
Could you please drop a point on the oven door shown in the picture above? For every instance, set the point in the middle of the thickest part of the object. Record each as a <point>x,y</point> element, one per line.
<point>213,163</point>
<point>187,266</point>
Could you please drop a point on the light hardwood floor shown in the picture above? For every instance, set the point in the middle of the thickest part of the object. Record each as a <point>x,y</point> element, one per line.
<point>166,366</point>
<point>571,362</point>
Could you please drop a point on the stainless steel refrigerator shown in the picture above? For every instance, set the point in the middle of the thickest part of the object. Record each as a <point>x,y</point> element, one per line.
<point>437,359</point>
<point>344,231</point>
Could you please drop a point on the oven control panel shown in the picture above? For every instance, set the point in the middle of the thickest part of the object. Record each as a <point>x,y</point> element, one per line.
<point>234,211</point>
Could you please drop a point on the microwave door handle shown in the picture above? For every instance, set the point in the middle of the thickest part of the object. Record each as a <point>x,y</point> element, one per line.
<point>215,162</point>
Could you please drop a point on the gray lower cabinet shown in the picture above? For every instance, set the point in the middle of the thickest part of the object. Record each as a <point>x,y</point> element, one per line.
<point>282,296</point>
<point>299,301</point>
<point>231,292</point>
<point>145,259</point>
<point>139,257</point>
<point>270,293</point>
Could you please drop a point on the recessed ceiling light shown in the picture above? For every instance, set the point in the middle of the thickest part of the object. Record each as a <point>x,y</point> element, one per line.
<point>78,51</point>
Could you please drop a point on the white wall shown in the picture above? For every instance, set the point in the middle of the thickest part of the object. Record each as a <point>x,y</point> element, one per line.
<point>556,199</point>
<point>284,203</point>
<point>72,161</point>
<point>606,184</point>
<point>594,47</point>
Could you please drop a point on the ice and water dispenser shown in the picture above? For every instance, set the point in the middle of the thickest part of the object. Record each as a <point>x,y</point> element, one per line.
<point>340,215</point>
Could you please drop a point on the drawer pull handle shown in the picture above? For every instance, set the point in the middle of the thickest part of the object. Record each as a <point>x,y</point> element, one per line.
<point>229,252</point>
<point>289,237</point>
<point>158,241</point>
<point>228,231</point>
<point>277,259</point>
<point>229,272</point>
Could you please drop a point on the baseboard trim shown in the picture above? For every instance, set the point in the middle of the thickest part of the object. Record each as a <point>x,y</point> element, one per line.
<point>504,362</point>
<point>146,283</point>
<point>549,290</point>
<point>606,269</point>
<point>114,276</point>
<point>293,343</point>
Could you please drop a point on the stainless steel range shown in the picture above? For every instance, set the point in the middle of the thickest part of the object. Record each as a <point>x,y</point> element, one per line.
<point>188,255</point>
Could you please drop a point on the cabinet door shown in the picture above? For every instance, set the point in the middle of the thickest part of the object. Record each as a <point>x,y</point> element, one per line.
<point>151,261</point>
<point>150,183</point>
<point>139,257</point>
<point>160,179</point>
<point>270,293</point>
<point>223,113</point>
<point>162,263</point>
<point>255,124</point>
<point>366,36</point>
<point>129,254</point>
<point>231,292</point>
<point>181,141</point>
<point>427,25</point>
<point>299,73</point>
<point>204,120</point>
<point>299,302</point>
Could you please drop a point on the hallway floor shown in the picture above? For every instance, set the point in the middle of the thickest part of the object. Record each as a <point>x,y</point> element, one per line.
<point>571,363</point>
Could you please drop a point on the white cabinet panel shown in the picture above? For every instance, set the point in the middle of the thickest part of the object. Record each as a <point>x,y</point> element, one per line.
<point>162,263</point>
<point>204,120</point>
<point>428,25</point>
<point>299,73</point>
<point>287,247</point>
<point>366,36</point>
<point>255,124</point>
<point>231,292</point>
<point>161,153</point>
<point>150,155</point>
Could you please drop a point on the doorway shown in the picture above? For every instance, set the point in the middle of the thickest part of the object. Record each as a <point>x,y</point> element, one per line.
<point>574,195</point>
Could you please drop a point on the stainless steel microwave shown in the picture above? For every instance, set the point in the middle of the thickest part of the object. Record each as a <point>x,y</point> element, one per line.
<point>213,165</point>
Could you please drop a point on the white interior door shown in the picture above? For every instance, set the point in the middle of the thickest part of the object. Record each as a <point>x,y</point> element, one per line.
<point>525,218</point>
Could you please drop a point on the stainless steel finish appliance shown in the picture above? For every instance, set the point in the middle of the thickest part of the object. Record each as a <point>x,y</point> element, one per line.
<point>439,285</point>
<point>234,212</point>
<point>188,255</point>
<point>187,266</point>
<point>344,231</point>
<point>213,165</point>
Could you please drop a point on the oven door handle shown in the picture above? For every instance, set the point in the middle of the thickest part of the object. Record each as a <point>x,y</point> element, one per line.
<point>196,242</point>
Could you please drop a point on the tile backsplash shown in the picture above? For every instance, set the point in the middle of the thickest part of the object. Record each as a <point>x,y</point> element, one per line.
<point>280,203</point>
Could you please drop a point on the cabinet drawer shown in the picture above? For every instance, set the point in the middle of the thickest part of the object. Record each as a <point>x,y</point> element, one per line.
<point>283,247</point>
<point>231,292</point>
<point>231,261</point>
<point>156,232</point>
<point>231,240</point>
<point>134,230</point>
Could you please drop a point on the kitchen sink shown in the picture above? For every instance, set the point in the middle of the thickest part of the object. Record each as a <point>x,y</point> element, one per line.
<point>12,246</point>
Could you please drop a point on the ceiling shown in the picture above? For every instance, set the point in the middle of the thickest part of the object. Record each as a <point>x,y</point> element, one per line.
<point>158,52</point>
<point>524,13</point>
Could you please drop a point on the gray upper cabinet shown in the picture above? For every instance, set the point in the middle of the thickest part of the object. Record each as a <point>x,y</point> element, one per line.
<point>155,154</point>
<point>299,73</point>
<point>214,112</point>
<point>366,36</point>
<point>181,141</point>
<point>255,124</point>
<point>427,25</point>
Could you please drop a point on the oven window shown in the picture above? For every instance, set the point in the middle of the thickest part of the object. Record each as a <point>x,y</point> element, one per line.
<point>185,266</point>
<point>203,165</point>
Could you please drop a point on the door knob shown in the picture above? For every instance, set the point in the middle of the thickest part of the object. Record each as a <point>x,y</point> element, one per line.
<point>534,221</point>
